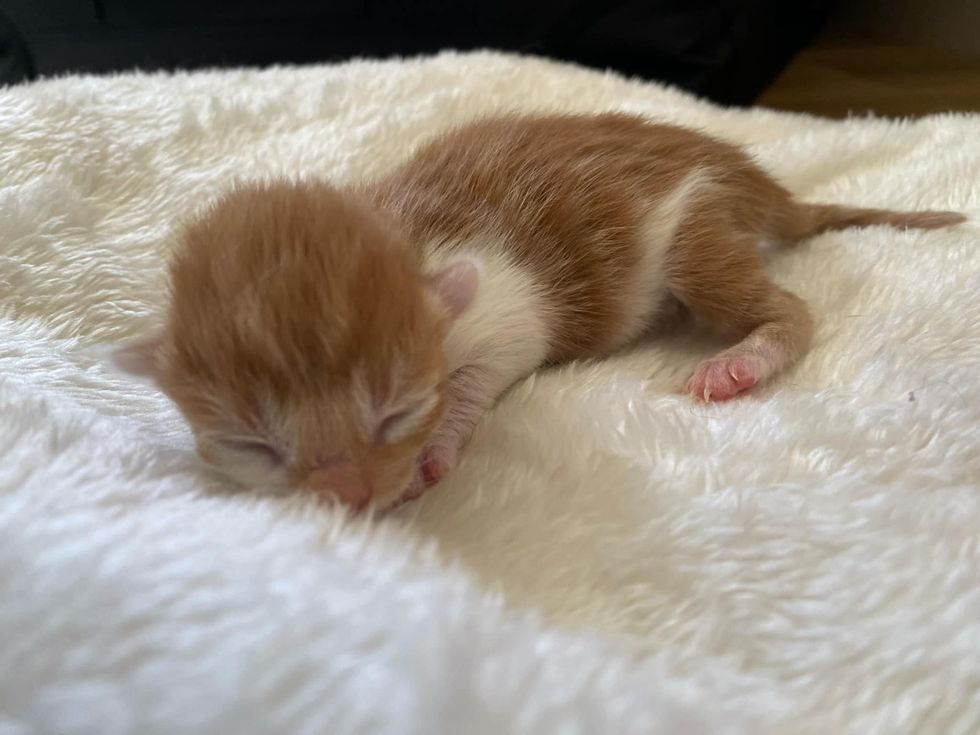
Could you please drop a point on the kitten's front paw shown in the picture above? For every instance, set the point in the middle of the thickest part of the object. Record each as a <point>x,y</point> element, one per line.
<point>415,488</point>
<point>436,461</point>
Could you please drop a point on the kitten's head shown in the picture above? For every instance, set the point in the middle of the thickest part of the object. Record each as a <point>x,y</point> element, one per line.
<point>303,343</point>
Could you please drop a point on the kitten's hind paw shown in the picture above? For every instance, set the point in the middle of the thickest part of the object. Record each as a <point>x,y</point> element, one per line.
<point>722,378</point>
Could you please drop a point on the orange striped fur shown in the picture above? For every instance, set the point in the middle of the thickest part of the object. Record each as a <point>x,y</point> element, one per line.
<point>355,336</point>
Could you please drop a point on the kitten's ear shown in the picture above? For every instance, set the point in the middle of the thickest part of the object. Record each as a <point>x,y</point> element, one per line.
<point>139,357</point>
<point>455,285</point>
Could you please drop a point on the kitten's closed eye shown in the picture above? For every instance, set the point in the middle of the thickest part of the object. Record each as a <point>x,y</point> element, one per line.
<point>256,447</point>
<point>390,429</point>
<point>398,425</point>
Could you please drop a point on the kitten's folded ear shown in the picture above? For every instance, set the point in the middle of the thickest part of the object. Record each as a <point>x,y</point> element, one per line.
<point>139,357</point>
<point>456,284</point>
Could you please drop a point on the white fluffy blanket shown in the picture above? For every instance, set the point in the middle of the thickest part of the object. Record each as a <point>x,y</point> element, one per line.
<point>609,558</point>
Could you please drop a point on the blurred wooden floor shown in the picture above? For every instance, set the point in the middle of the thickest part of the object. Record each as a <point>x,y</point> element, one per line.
<point>835,78</point>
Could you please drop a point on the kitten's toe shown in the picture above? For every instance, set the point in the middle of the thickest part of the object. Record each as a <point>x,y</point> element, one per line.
<point>433,464</point>
<point>436,462</point>
<point>722,378</point>
<point>416,487</point>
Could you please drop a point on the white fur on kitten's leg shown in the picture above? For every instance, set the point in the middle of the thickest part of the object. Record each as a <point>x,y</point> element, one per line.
<point>500,337</point>
<point>470,392</point>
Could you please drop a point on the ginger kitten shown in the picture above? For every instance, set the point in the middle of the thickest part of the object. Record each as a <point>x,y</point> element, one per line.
<point>347,340</point>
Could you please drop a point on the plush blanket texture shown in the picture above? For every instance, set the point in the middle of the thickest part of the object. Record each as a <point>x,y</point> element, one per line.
<point>609,558</point>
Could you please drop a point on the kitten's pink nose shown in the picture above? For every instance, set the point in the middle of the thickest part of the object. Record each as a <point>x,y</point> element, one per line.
<point>343,480</point>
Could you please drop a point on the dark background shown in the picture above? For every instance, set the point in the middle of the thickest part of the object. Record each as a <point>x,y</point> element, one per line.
<point>727,50</point>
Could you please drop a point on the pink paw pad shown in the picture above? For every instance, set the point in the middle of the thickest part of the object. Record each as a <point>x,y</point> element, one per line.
<point>434,468</point>
<point>432,465</point>
<point>436,461</point>
<point>722,378</point>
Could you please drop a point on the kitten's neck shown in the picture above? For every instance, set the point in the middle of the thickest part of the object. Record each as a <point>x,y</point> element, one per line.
<point>509,318</point>
<point>510,322</point>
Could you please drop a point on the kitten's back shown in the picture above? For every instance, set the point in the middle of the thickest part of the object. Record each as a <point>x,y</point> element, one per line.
<point>576,200</point>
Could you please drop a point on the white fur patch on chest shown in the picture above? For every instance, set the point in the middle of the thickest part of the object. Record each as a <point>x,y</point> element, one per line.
<point>508,322</point>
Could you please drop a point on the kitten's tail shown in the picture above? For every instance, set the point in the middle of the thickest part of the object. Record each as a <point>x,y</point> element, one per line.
<point>812,219</point>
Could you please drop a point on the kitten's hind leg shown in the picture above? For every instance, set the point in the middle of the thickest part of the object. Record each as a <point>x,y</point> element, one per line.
<point>720,277</point>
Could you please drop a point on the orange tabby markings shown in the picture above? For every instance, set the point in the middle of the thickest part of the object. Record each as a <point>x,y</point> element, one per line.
<point>378,323</point>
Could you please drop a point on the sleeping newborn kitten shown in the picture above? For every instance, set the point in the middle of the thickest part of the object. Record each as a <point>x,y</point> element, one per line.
<point>347,340</point>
